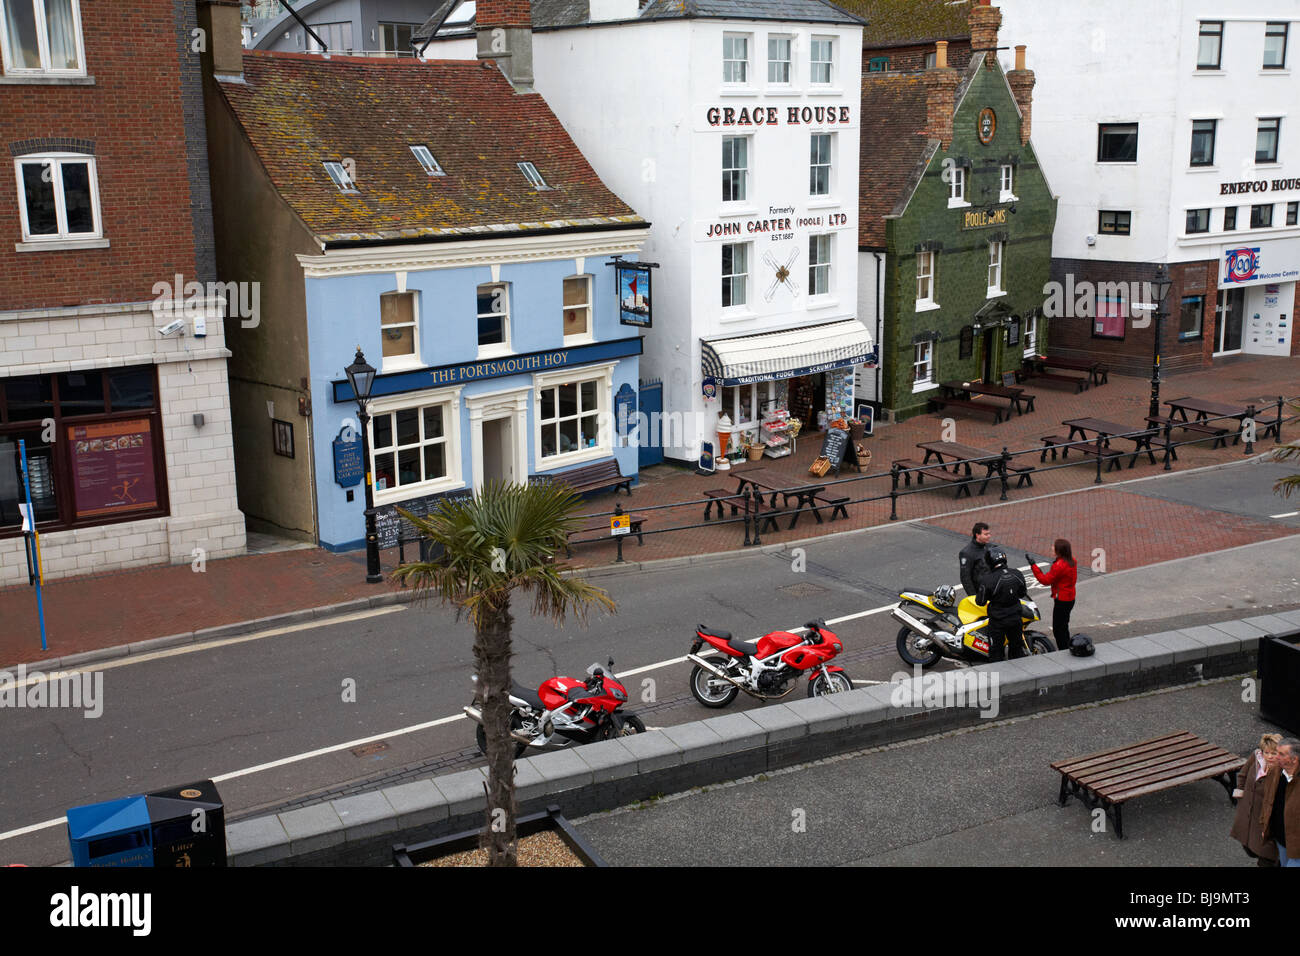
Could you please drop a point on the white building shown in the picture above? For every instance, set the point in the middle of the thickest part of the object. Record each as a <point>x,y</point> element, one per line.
<point>1175,139</point>
<point>732,125</point>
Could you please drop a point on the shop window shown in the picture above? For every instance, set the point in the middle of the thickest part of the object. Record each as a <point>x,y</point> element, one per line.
<point>1117,142</point>
<point>493,318</point>
<point>819,265</point>
<point>819,169</point>
<point>923,366</point>
<point>400,330</point>
<point>821,60</point>
<point>1209,49</point>
<point>735,168</point>
<point>1115,222</point>
<point>779,55</point>
<point>1189,317</point>
<point>1266,135</point>
<point>58,197</point>
<point>1261,217</point>
<point>1030,336</point>
<point>1230,219</point>
<point>1275,45</point>
<point>925,279</point>
<point>42,36</point>
<point>409,447</point>
<point>577,308</point>
<point>1203,142</point>
<point>996,250</point>
<point>1111,315</point>
<point>1292,210</point>
<point>569,417</point>
<point>1006,184</point>
<point>1198,220</point>
<point>735,58</point>
<point>735,274</point>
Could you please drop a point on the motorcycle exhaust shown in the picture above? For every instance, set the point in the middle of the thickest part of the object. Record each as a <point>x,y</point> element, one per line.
<point>474,714</point>
<point>717,673</point>
<point>903,617</point>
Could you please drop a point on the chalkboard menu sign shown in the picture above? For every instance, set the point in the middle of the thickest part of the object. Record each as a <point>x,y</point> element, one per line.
<point>834,446</point>
<point>390,525</point>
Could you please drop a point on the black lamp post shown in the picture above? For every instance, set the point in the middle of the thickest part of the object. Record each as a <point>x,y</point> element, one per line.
<point>1161,290</point>
<point>361,377</point>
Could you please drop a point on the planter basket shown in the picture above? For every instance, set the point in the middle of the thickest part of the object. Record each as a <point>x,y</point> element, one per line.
<point>756,451</point>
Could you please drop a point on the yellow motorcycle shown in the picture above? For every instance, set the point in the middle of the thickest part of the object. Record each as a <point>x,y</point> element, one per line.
<point>936,626</point>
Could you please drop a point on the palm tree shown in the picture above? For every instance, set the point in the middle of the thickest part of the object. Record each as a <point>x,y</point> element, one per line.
<point>1290,483</point>
<point>503,540</point>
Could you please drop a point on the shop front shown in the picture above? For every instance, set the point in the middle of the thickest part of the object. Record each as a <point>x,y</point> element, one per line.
<point>768,388</point>
<point>1257,298</point>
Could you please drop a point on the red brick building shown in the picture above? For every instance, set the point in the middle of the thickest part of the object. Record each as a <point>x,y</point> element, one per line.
<point>104,223</point>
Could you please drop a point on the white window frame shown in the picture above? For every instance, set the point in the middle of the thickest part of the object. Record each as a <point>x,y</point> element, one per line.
<point>384,26</point>
<point>957,187</point>
<point>931,261</point>
<point>1029,334</point>
<point>42,41</point>
<point>396,363</point>
<point>997,257</point>
<point>747,40</point>
<point>743,276</point>
<point>535,179</point>
<point>731,404</point>
<point>56,161</point>
<point>328,30</point>
<point>825,266</point>
<point>1007,183</point>
<point>743,170</point>
<point>813,62</point>
<point>578,338</point>
<point>424,156</point>
<point>828,165</point>
<point>603,376</point>
<point>449,398</point>
<point>339,176</point>
<point>496,348</point>
<point>923,354</point>
<point>789,63</point>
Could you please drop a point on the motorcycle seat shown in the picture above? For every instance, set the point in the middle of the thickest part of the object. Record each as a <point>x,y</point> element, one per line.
<point>745,648</point>
<point>529,697</point>
<point>710,632</point>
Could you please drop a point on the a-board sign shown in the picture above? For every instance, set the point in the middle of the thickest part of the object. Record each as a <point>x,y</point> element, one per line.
<point>390,525</point>
<point>834,445</point>
<point>1009,379</point>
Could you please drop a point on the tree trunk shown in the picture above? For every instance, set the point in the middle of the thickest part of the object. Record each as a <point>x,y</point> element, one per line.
<point>492,659</point>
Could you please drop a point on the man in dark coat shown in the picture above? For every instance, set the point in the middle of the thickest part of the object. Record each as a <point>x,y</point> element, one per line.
<point>973,557</point>
<point>1001,588</point>
<point>1280,814</point>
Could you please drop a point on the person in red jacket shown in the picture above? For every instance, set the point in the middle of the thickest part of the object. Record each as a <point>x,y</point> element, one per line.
<point>1061,577</point>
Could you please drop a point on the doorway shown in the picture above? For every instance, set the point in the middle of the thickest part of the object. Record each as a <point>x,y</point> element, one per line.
<point>498,450</point>
<point>989,368</point>
<point>1231,315</point>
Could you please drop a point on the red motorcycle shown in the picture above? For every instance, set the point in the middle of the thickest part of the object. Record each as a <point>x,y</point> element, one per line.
<point>763,669</point>
<point>563,712</point>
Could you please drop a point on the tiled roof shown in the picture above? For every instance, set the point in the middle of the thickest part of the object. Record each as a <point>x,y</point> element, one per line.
<point>894,149</point>
<point>906,22</point>
<point>558,14</point>
<point>302,110</point>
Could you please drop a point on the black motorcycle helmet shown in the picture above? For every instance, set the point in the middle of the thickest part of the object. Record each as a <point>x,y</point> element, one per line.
<point>997,560</point>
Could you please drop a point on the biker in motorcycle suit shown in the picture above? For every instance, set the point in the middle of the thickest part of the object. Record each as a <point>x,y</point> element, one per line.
<point>1001,589</point>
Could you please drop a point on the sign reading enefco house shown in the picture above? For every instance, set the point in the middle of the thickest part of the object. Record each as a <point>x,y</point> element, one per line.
<point>414,381</point>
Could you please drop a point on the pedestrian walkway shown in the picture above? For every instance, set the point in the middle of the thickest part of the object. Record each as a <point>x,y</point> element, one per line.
<point>1132,528</point>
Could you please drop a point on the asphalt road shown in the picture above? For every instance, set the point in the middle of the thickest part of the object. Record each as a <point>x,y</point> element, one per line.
<point>356,687</point>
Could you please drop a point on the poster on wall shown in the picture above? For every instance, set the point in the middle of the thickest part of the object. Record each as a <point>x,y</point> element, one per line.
<point>112,467</point>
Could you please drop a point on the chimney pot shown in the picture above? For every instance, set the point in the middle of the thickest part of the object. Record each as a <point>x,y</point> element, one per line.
<point>941,55</point>
<point>1020,57</point>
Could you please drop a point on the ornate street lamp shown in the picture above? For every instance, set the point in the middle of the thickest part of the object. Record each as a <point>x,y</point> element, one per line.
<point>1160,288</point>
<point>361,377</point>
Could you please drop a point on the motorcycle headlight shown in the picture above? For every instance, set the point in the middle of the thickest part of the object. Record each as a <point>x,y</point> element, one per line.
<point>617,694</point>
<point>838,647</point>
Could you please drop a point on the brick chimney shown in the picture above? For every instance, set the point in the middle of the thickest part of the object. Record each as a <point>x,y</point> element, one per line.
<point>505,33</point>
<point>984,22</point>
<point>940,97</point>
<point>1022,88</point>
<point>219,20</point>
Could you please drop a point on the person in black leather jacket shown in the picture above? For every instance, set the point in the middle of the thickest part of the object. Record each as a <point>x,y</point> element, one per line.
<point>973,557</point>
<point>1001,588</point>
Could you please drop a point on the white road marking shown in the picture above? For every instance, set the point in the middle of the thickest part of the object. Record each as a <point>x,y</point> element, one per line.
<point>1286,514</point>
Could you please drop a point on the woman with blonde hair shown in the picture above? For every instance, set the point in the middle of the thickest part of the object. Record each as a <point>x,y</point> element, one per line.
<point>1250,795</point>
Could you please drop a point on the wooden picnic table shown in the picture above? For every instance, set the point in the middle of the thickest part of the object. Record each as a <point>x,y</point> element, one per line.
<point>1013,394</point>
<point>767,481</point>
<point>1179,407</point>
<point>1080,427</point>
<point>947,453</point>
<point>1111,778</point>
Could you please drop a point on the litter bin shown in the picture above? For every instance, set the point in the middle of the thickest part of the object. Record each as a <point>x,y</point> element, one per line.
<point>1279,673</point>
<point>180,827</point>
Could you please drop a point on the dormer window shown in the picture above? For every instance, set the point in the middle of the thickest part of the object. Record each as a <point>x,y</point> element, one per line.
<point>533,176</point>
<point>427,161</point>
<point>339,174</point>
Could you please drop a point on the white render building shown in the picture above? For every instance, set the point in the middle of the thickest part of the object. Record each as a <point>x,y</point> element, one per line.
<point>732,126</point>
<point>1176,140</point>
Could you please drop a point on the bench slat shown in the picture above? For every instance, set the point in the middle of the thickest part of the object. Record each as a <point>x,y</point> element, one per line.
<point>1117,776</point>
<point>1137,755</point>
<point>1191,777</point>
<point>1155,741</point>
<point>1155,774</point>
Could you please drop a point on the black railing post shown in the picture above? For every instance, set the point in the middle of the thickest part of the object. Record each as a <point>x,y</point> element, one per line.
<point>893,492</point>
<point>1277,432</point>
<point>1003,462</point>
<point>746,508</point>
<point>1169,445</point>
<point>618,511</point>
<point>1248,427</point>
<point>758,511</point>
<point>1099,450</point>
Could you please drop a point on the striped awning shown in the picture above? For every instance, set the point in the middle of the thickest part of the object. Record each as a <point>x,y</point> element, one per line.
<point>788,353</point>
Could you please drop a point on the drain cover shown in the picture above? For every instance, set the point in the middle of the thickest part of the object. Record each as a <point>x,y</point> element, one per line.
<point>365,750</point>
<point>804,589</point>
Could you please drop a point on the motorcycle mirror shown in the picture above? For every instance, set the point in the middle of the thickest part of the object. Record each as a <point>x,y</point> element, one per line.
<point>611,664</point>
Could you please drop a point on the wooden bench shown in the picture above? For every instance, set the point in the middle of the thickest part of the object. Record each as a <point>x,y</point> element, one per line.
<point>1024,474</point>
<point>971,406</point>
<point>1079,382</point>
<point>1111,778</point>
<point>599,474</point>
<point>1050,443</point>
<point>838,506</point>
<point>636,522</point>
<point>718,497</point>
<point>963,482</point>
<point>1218,433</point>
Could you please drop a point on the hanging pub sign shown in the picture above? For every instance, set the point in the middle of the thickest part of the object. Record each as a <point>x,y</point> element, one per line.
<point>633,285</point>
<point>710,388</point>
<point>1013,331</point>
<point>987,125</point>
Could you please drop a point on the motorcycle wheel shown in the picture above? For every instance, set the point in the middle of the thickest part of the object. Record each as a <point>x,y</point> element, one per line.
<point>906,639</point>
<point>819,686</point>
<point>480,736</point>
<point>1039,644</point>
<point>619,726</point>
<point>704,685</point>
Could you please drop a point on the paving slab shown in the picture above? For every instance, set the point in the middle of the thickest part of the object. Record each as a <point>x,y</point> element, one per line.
<point>608,760</point>
<point>822,715</point>
<point>257,840</point>
<point>418,803</point>
<point>1186,649</point>
<point>780,722</point>
<point>312,828</point>
<point>697,740</point>
<point>653,751</point>
<point>365,815</point>
<point>563,770</point>
<point>463,791</point>
<point>737,732</point>
<point>1116,659</point>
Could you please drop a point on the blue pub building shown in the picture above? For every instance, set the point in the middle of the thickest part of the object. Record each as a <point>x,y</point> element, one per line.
<point>440,219</point>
